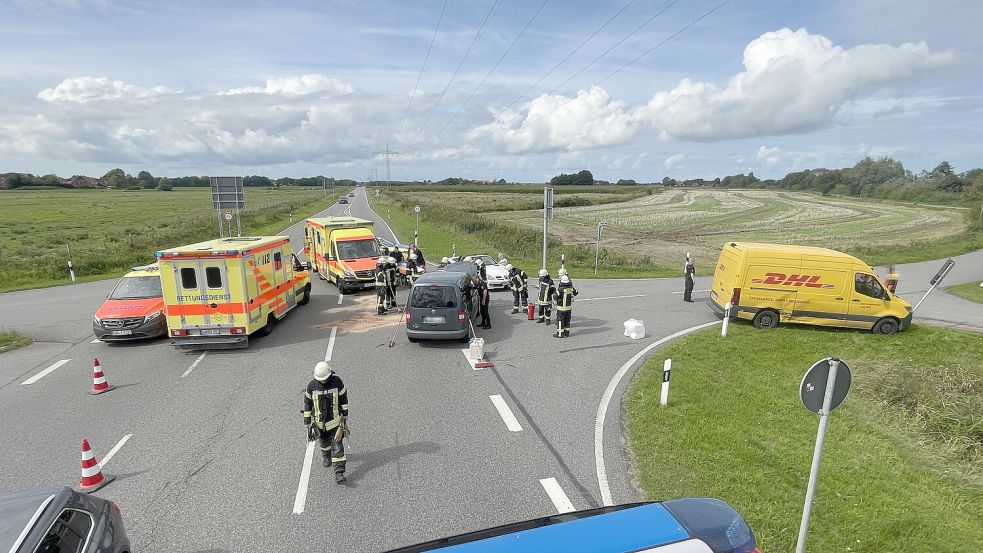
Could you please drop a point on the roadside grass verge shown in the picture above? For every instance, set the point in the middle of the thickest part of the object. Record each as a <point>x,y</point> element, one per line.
<point>902,467</point>
<point>109,231</point>
<point>10,341</point>
<point>971,291</point>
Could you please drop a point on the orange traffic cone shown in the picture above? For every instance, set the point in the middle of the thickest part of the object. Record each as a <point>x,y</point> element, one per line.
<point>92,476</point>
<point>99,382</point>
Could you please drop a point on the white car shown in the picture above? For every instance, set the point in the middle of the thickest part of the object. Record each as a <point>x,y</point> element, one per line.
<point>498,276</point>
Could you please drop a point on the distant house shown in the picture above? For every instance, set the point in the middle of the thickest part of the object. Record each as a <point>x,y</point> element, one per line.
<point>81,181</point>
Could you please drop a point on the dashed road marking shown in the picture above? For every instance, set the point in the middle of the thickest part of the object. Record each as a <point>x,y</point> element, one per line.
<point>300,500</point>
<point>559,499</point>
<point>503,410</point>
<point>44,373</point>
<point>341,297</point>
<point>614,297</point>
<point>328,352</point>
<point>113,451</point>
<point>193,365</point>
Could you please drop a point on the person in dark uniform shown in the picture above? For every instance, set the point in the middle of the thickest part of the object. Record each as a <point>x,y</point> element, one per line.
<point>690,280</point>
<point>392,274</point>
<point>484,298</point>
<point>326,408</point>
<point>381,285</point>
<point>519,283</point>
<point>564,306</point>
<point>545,299</point>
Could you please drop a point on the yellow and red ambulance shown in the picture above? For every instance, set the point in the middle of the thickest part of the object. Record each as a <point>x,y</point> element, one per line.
<point>218,293</point>
<point>342,250</point>
<point>134,309</point>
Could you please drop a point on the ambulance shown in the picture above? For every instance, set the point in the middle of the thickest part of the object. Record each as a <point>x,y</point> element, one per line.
<point>134,309</point>
<point>772,283</point>
<point>220,292</point>
<point>342,250</point>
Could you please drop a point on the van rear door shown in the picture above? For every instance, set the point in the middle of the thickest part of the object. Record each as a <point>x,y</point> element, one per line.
<point>437,307</point>
<point>202,292</point>
<point>727,274</point>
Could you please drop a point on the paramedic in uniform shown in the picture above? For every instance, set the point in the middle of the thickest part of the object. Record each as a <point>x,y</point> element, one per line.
<point>326,408</point>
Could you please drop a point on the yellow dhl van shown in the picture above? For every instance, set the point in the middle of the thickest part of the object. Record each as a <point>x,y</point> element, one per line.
<point>342,250</point>
<point>217,293</point>
<point>772,283</point>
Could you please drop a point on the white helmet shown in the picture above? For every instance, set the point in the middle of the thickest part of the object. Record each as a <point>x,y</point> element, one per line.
<point>444,260</point>
<point>503,261</point>
<point>564,279</point>
<point>509,267</point>
<point>391,259</point>
<point>543,273</point>
<point>562,271</point>
<point>381,261</point>
<point>468,259</point>
<point>322,371</point>
<point>479,261</point>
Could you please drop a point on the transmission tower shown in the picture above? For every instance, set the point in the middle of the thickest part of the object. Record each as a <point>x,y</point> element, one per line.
<point>388,154</point>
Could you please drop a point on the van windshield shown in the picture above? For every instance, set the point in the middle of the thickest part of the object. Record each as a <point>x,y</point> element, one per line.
<point>433,297</point>
<point>356,249</point>
<point>131,288</point>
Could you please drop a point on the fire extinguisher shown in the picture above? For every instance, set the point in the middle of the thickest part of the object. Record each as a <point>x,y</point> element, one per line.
<point>532,311</point>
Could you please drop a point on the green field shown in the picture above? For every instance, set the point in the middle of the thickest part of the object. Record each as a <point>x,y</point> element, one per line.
<point>651,229</point>
<point>902,467</point>
<point>110,230</point>
<point>971,291</point>
<point>10,341</point>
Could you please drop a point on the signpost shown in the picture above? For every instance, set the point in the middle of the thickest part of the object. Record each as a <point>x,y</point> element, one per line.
<point>597,245</point>
<point>547,215</point>
<point>936,280</point>
<point>823,388</point>
<point>227,194</point>
<point>416,233</point>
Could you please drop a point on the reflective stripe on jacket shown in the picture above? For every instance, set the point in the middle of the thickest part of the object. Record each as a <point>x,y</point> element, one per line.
<point>518,280</point>
<point>325,402</point>
<point>546,291</point>
<point>564,297</point>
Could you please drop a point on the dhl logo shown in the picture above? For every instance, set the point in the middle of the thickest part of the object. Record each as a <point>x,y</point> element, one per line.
<point>809,281</point>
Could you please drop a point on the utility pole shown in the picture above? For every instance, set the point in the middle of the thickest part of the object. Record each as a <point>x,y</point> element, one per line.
<point>388,154</point>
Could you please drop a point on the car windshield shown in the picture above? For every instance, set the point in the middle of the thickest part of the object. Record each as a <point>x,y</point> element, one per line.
<point>433,297</point>
<point>137,287</point>
<point>356,249</point>
<point>486,259</point>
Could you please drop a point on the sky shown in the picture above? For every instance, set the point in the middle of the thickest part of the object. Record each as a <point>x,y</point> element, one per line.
<point>519,90</point>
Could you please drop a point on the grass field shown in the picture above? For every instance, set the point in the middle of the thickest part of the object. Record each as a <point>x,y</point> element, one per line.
<point>902,467</point>
<point>110,230</point>
<point>971,291</point>
<point>10,341</point>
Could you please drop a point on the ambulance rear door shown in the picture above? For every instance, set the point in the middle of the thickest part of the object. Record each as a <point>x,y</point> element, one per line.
<point>203,297</point>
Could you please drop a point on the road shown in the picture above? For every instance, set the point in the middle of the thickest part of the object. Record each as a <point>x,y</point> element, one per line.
<point>216,449</point>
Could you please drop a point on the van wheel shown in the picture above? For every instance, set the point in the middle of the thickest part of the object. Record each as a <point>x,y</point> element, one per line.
<point>306,297</point>
<point>268,329</point>
<point>886,326</point>
<point>765,318</point>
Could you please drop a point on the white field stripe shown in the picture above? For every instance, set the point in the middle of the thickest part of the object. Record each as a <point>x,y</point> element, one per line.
<point>602,409</point>
<point>113,451</point>
<point>559,499</point>
<point>503,410</point>
<point>341,298</point>
<point>44,373</point>
<point>613,298</point>
<point>328,352</point>
<point>193,365</point>
<point>300,500</point>
<point>685,292</point>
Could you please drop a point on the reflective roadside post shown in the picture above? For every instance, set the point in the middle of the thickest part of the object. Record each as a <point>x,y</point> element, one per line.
<point>723,328</point>
<point>71,270</point>
<point>823,388</point>
<point>664,396</point>
<point>597,245</point>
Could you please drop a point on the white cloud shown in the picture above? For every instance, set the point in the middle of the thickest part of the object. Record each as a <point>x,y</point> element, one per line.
<point>769,156</point>
<point>87,89</point>
<point>296,86</point>
<point>674,160</point>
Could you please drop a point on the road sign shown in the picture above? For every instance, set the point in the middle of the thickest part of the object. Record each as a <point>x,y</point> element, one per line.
<point>812,391</point>
<point>227,192</point>
<point>228,215</point>
<point>946,267</point>
<point>416,209</point>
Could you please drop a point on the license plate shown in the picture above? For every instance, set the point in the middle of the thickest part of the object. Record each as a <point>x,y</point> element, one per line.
<point>434,320</point>
<point>368,285</point>
<point>121,332</point>
<point>210,330</point>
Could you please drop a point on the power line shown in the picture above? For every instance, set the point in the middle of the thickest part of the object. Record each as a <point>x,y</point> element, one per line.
<point>492,70</point>
<point>420,76</point>
<point>459,64</point>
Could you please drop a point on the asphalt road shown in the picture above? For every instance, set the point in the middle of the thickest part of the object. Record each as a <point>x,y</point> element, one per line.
<point>216,446</point>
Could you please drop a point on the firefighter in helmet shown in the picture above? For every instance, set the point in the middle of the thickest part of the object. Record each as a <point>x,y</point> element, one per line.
<point>381,285</point>
<point>564,306</point>
<point>545,299</point>
<point>392,276</point>
<point>519,284</point>
<point>326,412</point>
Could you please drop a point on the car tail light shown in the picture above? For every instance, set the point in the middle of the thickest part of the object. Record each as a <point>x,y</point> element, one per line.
<point>407,317</point>
<point>461,316</point>
<point>735,298</point>
<point>179,332</point>
<point>237,330</point>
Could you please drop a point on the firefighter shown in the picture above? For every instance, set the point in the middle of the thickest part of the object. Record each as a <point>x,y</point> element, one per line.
<point>484,299</point>
<point>519,283</point>
<point>392,273</point>
<point>411,268</point>
<point>325,409</point>
<point>545,300</point>
<point>482,271</point>
<point>564,306</point>
<point>381,285</point>
<point>690,280</point>
<point>444,261</point>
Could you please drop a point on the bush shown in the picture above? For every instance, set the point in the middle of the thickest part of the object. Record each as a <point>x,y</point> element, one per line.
<point>165,187</point>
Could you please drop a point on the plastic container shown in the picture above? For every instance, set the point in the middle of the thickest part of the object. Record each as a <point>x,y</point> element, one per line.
<point>634,329</point>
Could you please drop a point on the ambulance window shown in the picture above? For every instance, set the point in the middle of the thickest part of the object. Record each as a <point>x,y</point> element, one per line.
<point>277,261</point>
<point>213,277</point>
<point>189,278</point>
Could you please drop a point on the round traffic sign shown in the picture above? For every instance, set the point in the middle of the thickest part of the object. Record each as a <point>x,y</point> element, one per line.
<point>812,391</point>
<point>228,216</point>
<point>416,209</point>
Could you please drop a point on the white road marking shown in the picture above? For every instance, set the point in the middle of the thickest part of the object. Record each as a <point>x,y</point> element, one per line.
<point>685,292</point>
<point>44,373</point>
<point>503,410</point>
<point>472,362</point>
<point>330,350</point>
<point>602,409</point>
<point>341,297</point>
<point>96,341</point>
<point>193,365</point>
<point>559,499</point>
<point>391,233</point>
<point>300,500</point>
<point>614,297</point>
<point>113,451</point>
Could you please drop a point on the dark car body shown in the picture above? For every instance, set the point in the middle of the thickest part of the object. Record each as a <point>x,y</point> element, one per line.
<point>60,519</point>
<point>343,200</point>
<point>441,304</point>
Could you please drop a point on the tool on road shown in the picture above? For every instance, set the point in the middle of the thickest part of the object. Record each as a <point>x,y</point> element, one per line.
<point>99,383</point>
<point>92,476</point>
<point>402,313</point>
<point>343,433</point>
<point>476,352</point>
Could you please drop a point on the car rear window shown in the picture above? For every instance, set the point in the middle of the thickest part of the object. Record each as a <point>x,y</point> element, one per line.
<point>433,297</point>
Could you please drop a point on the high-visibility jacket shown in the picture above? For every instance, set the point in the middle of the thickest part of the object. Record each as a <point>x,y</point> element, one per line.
<point>518,280</point>
<point>381,278</point>
<point>391,273</point>
<point>325,402</point>
<point>564,297</point>
<point>546,291</point>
